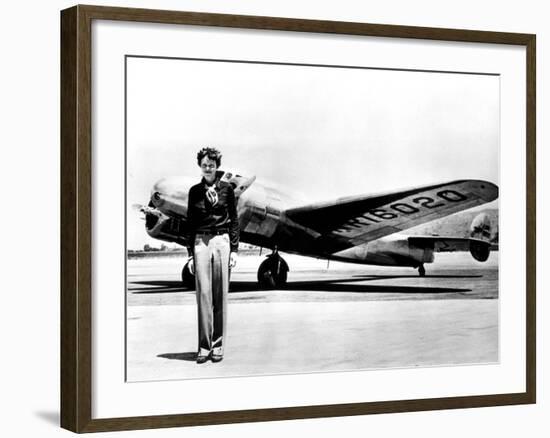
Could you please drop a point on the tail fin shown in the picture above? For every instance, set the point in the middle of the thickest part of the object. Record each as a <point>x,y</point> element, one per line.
<point>481,227</point>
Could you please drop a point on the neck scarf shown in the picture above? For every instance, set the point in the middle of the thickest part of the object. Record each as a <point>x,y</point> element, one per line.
<point>211,194</point>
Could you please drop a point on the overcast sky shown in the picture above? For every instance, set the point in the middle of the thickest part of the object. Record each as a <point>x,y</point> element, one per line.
<point>323,132</point>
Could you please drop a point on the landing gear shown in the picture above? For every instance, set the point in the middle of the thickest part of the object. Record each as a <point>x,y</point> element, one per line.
<point>272,272</point>
<point>187,278</point>
<point>421,270</point>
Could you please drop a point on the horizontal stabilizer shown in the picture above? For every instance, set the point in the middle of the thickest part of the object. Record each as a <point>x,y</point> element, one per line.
<point>479,249</point>
<point>445,244</point>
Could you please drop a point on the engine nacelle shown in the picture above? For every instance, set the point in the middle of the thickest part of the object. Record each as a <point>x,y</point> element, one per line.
<point>480,250</point>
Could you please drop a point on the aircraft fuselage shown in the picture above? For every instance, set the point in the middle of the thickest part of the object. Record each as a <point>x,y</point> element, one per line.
<point>263,222</point>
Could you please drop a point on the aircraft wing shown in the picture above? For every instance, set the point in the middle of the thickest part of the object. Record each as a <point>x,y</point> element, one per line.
<point>360,219</point>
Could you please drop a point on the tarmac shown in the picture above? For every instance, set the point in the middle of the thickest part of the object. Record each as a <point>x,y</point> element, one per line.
<point>329,318</point>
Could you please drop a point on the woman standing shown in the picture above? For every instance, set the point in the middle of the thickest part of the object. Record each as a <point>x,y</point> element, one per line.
<point>213,240</point>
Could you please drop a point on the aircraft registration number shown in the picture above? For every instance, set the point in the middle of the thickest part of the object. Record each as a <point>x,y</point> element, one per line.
<point>397,209</point>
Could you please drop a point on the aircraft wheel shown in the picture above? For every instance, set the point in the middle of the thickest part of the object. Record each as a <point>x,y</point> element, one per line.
<point>187,278</point>
<point>421,271</point>
<point>272,273</point>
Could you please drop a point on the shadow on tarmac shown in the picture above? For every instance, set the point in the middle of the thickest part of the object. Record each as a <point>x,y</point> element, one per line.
<point>159,287</point>
<point>336,286</point>
<point>328,285</point>
<point>190,356</point>
<point>386,277</point>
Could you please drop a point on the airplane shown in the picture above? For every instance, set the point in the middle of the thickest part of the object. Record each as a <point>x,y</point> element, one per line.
<point>364,229</point>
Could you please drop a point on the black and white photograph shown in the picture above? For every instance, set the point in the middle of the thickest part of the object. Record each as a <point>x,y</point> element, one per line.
<point>275,218</point>
<point>286,218</point>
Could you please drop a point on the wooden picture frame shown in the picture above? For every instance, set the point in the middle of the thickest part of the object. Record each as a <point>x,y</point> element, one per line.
<point>76,217</point>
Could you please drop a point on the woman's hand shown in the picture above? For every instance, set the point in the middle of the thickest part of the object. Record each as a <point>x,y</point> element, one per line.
<point>191,265</point>
<point>232,260</point>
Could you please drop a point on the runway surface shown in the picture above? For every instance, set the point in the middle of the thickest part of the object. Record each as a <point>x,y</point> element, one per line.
<point>344,317</point>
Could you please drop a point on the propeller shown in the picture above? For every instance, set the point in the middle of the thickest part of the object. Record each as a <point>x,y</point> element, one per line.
<point>145,210</point>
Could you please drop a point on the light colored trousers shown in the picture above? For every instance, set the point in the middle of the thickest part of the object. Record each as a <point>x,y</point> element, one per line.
<point>212,285</point>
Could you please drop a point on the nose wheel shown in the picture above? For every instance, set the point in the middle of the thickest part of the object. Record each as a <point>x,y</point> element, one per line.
<point>421,271</point>
<point>272,273</point>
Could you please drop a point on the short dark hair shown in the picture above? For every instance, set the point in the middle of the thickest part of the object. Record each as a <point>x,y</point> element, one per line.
<point>211,153</point>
